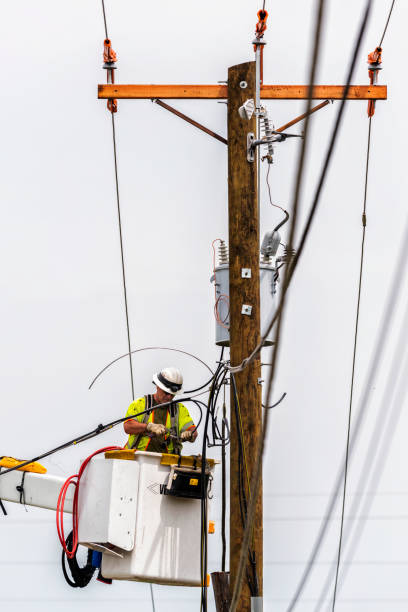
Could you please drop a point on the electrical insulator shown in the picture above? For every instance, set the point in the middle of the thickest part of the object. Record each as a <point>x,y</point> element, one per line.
<point>223,253</point>
<point>267,134</point>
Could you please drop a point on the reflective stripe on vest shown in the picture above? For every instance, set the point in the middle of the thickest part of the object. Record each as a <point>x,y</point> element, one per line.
<point>174,422</point>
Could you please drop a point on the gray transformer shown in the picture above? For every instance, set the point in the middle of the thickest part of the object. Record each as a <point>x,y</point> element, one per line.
<point>221,306</point>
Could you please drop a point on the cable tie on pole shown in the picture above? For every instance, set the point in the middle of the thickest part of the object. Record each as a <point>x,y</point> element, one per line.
<point>110,58</point>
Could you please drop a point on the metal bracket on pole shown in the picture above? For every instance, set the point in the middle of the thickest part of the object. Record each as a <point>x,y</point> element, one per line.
<point>250,147</point>
<point>258,44</point>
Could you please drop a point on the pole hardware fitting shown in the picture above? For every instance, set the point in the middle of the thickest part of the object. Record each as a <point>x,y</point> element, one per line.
<point>259,42</point>
<point>246,273</point>
<point>243,84</point>
<point>260,381</point>
<point>273,137</point>
<point>246,310</point>
<point>250,147</point>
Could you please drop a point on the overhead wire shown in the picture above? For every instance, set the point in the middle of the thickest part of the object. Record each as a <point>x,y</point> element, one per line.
<point>289,275</point>
<point>376,358</point>
<point>87,436</point>
<point>310,218</point>
<point>122,255</point>
<point>386,24</point>
<point>257,468</point>
<point>391,405</point>
<point>148,348</point>
<point>356,325</point>
<point>364,223</point>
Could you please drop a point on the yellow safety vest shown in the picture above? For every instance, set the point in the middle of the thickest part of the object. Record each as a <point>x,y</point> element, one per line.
<point>178,422</point>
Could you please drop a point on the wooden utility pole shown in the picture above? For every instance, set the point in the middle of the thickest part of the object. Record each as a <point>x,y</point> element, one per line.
<point>244,286</point>
<point>244,298</point>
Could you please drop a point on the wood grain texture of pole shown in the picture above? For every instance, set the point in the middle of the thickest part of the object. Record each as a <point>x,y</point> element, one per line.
<point>244,330</point>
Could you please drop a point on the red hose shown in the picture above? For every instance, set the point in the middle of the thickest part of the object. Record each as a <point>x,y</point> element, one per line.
<point>74,480</point>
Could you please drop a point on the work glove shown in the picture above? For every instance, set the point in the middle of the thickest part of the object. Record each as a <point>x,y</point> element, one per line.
<point>156,429</point>
<point>188,436</point>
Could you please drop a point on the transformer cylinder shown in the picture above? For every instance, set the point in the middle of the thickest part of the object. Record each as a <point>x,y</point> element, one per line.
<point>221,308</point>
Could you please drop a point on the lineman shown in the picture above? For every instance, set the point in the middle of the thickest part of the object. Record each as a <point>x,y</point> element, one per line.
<point>150,432</point>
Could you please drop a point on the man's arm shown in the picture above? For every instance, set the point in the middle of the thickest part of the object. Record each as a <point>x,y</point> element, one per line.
<point>133,427</point>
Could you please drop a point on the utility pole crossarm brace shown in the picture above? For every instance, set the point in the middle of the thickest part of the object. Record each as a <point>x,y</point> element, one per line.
<point>220,92</point>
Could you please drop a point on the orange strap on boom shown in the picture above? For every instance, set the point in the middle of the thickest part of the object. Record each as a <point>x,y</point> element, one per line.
<point>259,32</point>
<point>374,61</point>
<point>110,57</point>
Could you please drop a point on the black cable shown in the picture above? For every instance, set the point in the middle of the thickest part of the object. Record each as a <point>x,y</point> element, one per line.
<point>364,222</point>
<point>288,276</point>
<point>223,487</point>
<point>81,576</point>
<point>212,377</point>
<point>386,25</point>
<point>2,506</point>
<point>197,403</point>
<point>221,372</point>
<point>148,348</point>
<point>87,436</point>
<point>276,205</point>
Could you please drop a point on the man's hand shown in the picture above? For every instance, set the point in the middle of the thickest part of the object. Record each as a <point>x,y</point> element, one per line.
<point>156,429</point>
<point>189,435</point>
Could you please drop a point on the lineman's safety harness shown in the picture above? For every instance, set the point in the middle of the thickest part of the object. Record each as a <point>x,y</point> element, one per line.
<point>174,422</point>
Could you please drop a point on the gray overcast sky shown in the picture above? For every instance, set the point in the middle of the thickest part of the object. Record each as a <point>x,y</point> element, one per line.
<point>62,315</point>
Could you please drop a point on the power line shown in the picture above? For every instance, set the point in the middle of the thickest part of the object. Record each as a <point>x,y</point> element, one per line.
<point>289,274</point>
<point>387,22</point>
<point>122,256</point>
<point>364,221</point>
<point>387,418</point>
<point>257,468</point>
<point>104,19</point>
<point>382,337</point>
<point>152,348</point>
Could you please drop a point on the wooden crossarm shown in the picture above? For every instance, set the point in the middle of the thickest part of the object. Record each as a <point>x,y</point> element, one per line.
<point>216,92</point>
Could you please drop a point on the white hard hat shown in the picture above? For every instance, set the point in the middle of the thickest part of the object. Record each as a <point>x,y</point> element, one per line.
<point>169,379</point>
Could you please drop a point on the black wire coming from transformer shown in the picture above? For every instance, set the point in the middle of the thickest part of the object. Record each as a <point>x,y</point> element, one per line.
<point>217,440</point>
